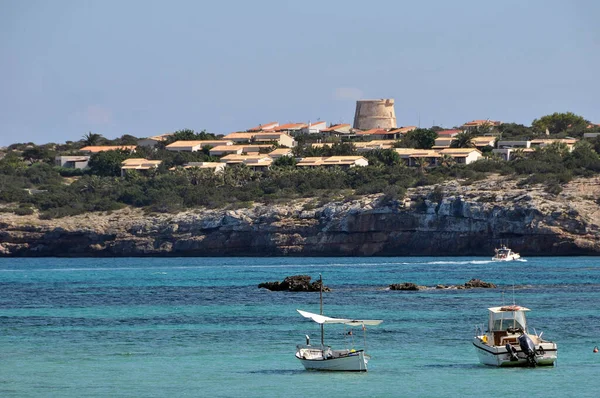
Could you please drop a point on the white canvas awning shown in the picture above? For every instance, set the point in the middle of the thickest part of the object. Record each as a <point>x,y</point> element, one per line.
<point>321,319</point>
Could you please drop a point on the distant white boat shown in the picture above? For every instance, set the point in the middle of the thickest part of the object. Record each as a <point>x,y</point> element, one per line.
<point>505,254</point>
<point>507,341</point>
<point>322,357</point>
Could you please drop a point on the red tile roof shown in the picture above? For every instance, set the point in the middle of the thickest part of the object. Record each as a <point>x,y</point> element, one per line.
<point>335,127</point>
<point>266,126</point>
<point>291,126</point>
<point>449,132</point>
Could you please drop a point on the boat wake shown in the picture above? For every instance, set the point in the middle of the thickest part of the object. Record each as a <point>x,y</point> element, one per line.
<point>452,262</point>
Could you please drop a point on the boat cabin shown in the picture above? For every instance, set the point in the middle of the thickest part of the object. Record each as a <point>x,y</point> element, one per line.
<point>503,252</point>
<point>504,322</point>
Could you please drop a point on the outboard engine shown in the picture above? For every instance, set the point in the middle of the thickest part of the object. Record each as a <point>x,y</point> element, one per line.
<point>528,348</point>
<point>512,351</point>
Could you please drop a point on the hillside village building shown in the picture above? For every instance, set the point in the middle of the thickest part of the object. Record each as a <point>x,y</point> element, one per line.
<point>444,142</point>
<point>291,128</point>
<point>541,143</point>
<point>72,162</point>
<point>333,161</point>
<point>412,156</point>
<point>279,138</point>
<point>256,162</point>
<point>337,130</point>
<point>314,128</point>
<point>480,123</point>
<point>237,149</point>
<point>195,146</point>
<point>139,164</point>
<point>215,166</point>
<point>279,152</point>
<point>462,155</point>
<point>151,142</point>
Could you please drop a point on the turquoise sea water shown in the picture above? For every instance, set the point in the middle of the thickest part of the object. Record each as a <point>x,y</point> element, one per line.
<point>200,327</point>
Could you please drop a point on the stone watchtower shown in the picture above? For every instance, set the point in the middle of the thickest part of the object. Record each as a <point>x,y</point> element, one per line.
<point>375,114</point>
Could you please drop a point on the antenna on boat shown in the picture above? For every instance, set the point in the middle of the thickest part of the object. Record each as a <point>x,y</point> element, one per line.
<point>321,300</point>
<point>514,294</point>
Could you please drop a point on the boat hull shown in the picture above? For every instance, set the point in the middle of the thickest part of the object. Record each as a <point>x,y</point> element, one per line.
<point>500,357</point>
<point>511,257</point>
<point>352,362</point>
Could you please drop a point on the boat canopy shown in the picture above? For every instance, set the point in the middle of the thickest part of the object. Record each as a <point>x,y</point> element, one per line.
<point>321,319</point>
<point>505,317</point>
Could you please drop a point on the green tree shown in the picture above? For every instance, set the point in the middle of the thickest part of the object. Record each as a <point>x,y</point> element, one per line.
<point>285,161</point>
<point>189,135</point>
<point>420,138</point>
<point>92,185</point>
<point>107,163</point>
<point>341,149</point>
<point>514,131</point>
<point>126,139</point>
<point>596,144</point>
<point>91,139</point>
<point>583,156</point>
<point>36,154</point>
<point>559,123</point>
<point>386,157</point>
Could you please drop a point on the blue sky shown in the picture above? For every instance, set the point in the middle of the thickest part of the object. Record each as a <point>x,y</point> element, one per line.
<point>149,67</point>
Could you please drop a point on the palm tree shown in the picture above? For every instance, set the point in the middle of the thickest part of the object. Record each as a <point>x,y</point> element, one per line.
<point>517,154</point>
<point>463,140</point>
<point>93,184</point>
<point>422,164</point>
<point>91,139</point>
<point>447,161</point>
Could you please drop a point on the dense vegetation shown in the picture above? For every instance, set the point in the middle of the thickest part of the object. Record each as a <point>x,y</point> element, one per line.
<point>29,181</point>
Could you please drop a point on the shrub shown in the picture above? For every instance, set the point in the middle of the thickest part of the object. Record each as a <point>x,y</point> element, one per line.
<point>23,211</point>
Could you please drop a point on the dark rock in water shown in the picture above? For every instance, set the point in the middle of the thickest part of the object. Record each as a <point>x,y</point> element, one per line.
<point>296,283</point>
<point>405,286</point>
<point>472,284</point>
<point>478,283</point>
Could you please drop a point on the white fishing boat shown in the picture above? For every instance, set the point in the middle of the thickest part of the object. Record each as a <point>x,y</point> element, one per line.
<point>322,357</point>
<point>507,341</point>
<point>505,254</point>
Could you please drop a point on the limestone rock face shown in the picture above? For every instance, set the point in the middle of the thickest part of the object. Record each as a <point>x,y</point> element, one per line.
<point>467,220</point>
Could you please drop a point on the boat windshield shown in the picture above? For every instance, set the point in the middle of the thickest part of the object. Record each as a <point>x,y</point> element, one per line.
<point>508,319</point>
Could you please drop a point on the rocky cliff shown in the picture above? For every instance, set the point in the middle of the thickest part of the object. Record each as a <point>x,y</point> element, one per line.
<point>454,219</point>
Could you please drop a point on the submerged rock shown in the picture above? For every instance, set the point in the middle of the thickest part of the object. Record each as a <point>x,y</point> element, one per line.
<point>296,283</point>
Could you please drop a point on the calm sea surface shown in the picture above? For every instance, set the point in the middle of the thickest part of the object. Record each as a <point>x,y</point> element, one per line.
<point>200,327</point>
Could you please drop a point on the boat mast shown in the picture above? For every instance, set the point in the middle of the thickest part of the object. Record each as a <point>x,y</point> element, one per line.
<point>321,300</point>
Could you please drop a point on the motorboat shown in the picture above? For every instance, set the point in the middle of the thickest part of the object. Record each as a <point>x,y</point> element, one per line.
<point>507,341</point>
<point>322,357</point>
<point>505,254</point>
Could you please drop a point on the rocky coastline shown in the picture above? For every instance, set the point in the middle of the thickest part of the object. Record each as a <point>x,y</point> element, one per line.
<point>455,219</point>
